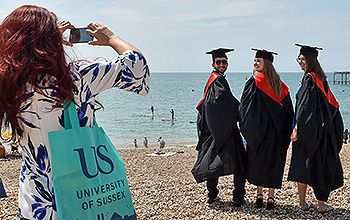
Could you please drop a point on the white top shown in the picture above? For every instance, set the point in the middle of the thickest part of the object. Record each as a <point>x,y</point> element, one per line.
<point>128,72</point>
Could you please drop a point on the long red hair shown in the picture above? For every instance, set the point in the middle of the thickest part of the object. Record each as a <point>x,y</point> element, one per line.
<point>30,50</point>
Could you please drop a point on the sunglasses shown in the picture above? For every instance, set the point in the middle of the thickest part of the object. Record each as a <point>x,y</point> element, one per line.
<point>219,62</point>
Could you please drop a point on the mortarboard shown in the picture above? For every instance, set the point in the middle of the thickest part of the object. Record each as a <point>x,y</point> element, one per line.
<point>308,51</point>
<point>219,52</point>
<point>261,53</point>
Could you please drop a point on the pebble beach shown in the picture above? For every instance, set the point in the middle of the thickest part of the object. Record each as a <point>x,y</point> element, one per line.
<point>164,188</point>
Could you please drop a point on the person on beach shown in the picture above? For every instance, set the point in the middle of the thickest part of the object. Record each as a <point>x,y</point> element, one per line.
<point>37,78</point>
<point>161,143</point>
<point>220,147</point>
<point>135,143</point>
<point>266,116</point>
<point>145,142</point>
<point>317,135</point>
<point>2,150</point>
<point>346,136</point>
<point>160,150</point>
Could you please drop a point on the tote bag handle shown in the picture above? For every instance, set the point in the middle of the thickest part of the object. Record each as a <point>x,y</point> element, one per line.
<point>71,116</point>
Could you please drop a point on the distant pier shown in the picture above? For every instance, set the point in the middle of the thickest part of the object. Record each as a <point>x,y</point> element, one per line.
<point>342,78</point>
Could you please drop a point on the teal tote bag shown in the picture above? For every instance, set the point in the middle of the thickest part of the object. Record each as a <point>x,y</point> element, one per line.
<point>89,178</point>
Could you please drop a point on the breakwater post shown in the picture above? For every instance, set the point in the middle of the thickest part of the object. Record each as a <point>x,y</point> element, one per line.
<point>341,78</point>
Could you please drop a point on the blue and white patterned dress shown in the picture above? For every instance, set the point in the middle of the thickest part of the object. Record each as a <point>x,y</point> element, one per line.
<point>129,72</point>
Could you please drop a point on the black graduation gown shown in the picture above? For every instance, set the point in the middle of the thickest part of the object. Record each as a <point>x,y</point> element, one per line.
<point>315,155</point>
<point>266,124</point>
<point>220,147</point>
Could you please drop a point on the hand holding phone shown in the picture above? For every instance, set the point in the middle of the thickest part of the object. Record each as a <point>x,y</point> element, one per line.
<point>63,26</point>
<point>101,33</point>
<point>105,37</point>
<point>79,35</point>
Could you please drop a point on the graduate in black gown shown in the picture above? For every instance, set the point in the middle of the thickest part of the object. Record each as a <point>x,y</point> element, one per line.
<point>220,147</point>
<point>266,116</point>
<point>317,136</point>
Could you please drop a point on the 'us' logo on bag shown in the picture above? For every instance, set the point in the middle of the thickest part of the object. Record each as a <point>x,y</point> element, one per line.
<point>98,156</point>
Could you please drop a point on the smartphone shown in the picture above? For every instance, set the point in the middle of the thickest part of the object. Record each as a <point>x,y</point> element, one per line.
<point>79,35</point>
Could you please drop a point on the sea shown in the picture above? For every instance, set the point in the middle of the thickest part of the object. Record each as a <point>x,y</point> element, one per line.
<point>127,116</point>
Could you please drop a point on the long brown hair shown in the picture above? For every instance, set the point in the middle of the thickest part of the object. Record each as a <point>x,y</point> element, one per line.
<point>273,76</point>
<point>31,50</point>
<point>312,65</point>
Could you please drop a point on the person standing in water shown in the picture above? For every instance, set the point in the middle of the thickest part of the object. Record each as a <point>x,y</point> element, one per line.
<point>152,110</point>
<point>172,115</point>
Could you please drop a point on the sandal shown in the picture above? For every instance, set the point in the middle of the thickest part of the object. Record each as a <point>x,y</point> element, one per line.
<point>259,200</point>
<point>270,204</point>
<point>307,206</point>
<point>328,208</point>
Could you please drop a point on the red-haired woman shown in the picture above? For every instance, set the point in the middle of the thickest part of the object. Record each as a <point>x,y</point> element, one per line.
<point>35,80</point>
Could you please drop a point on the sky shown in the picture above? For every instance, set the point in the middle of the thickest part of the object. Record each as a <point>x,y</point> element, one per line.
<point>174,35</point>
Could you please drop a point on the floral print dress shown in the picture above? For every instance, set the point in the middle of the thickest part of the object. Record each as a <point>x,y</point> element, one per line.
<point>37,117</point>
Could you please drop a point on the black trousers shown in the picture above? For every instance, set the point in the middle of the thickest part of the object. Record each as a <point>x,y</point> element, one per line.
<point>239,181</point>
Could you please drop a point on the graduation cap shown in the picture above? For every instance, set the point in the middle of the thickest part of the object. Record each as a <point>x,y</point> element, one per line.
<point>308,51</point>
<point>219,52</point>
<point>261,53</point>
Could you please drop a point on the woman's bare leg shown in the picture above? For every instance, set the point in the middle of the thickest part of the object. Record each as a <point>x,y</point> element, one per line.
<point>302,195</point>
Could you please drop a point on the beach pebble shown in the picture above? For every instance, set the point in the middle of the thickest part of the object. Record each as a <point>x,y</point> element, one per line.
<point>164,188</point>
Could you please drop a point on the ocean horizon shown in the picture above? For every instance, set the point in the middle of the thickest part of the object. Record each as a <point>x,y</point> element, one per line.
<point>127,116</point>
